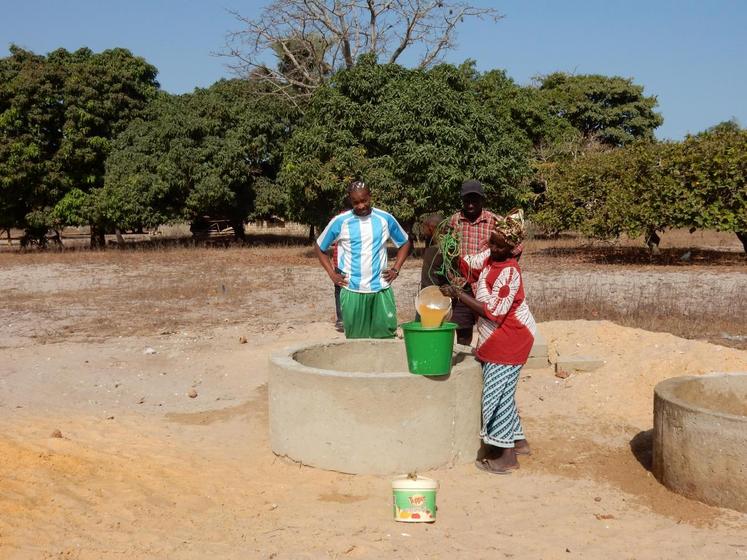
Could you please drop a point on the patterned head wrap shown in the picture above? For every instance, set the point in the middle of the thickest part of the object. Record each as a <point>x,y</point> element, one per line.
<point>512,226</point>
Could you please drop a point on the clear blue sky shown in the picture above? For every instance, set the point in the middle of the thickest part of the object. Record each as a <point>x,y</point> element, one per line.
<point>691,54</point>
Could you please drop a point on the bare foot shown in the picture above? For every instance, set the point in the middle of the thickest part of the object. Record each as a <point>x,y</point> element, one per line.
<point>506,461</point>
<point>521,447</point>
<point>504,464</point>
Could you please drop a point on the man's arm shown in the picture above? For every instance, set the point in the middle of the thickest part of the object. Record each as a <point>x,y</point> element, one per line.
<point>337,278</point>
<point>433,266</point>
<point>393,272</point>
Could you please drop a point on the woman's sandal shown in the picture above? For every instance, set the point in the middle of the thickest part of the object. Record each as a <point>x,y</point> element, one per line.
<point>484,465</point>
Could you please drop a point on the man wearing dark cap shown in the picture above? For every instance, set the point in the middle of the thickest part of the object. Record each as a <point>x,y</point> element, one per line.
<point>474,225</point>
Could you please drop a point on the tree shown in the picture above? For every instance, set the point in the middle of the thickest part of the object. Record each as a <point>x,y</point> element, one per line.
<point>577,193</point>
<point>58,117</point>
<point>630,190</point>
<point>553,138</point>
<point>525,106</point>
<point>730,126</point>
<point>195,155</point>
<point>314,38</point>
<point>413,135</point>
<point>611,110</point>
<point>31,121</point>
<point>649,187</point>
<point>710,170</point>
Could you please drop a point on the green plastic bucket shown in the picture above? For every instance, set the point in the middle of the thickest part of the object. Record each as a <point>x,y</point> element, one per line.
<point>429,349</point>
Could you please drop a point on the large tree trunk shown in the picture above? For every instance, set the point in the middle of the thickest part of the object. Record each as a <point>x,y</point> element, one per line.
<point>742,235</point>
<point>98,239</point>
<point>238,229</point>
<point>120,239</point>
<point>34,237</point>
<point>653,240</point>
<point>57,238</point>
<point>312,233</point>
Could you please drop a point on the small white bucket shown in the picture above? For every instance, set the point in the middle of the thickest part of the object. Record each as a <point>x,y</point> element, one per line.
<point>414,499</point>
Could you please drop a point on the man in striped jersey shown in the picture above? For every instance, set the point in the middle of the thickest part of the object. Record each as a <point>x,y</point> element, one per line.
<point>367,300</point>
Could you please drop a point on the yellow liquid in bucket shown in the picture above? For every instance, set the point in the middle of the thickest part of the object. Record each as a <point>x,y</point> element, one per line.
<point>431,316</point>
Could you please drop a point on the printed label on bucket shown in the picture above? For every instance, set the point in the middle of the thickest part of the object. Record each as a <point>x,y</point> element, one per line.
<point>414,505</point>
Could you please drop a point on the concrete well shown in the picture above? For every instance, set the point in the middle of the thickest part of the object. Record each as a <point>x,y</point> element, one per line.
<point>353,407</point>
<point>700,437</point>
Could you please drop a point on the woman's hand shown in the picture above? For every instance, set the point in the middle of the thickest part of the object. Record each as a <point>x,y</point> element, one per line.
<point>450,291</point>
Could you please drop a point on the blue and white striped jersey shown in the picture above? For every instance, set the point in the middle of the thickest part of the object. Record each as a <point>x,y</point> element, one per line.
<point>361,247</point>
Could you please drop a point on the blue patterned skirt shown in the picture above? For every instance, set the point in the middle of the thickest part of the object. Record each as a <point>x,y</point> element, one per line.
<point>501,425</point>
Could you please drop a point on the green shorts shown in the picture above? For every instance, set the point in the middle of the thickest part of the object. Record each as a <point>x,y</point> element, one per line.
<point>369,315</point>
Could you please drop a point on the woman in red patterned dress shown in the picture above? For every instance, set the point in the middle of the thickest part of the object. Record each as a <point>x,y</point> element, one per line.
<point>506,331</point>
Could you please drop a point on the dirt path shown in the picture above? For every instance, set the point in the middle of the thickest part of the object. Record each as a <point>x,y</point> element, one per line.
<point>104,351</point>
<point>92,298</point>
<point>144,471</point>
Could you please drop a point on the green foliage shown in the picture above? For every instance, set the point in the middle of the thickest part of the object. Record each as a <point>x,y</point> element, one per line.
<point>605,194</point>
<point>647,187</point>
<point>58,117</point>
<point>31,120</point>
<point>74,209</point>
<point>527,108</point>
<point>710,170</point>
<point>731,125</point>
<point>412,135</point>
<point>199,154</point>
<point>612,110</point>
<point>88,138</point>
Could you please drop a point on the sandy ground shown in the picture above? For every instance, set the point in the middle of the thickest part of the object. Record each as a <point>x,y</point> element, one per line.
<point>142,470</point>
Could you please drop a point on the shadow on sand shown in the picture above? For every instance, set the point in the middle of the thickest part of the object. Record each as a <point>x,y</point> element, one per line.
<point>642,447</point>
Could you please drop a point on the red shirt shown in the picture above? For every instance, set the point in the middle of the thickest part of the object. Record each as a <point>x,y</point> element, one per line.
<point>507,335</point>
<point>474,236</point>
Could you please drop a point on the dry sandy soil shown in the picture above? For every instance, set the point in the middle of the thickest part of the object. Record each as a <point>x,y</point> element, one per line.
<point>104,455</point>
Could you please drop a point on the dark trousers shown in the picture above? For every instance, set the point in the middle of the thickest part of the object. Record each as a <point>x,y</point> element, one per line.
<point>338,309</point>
